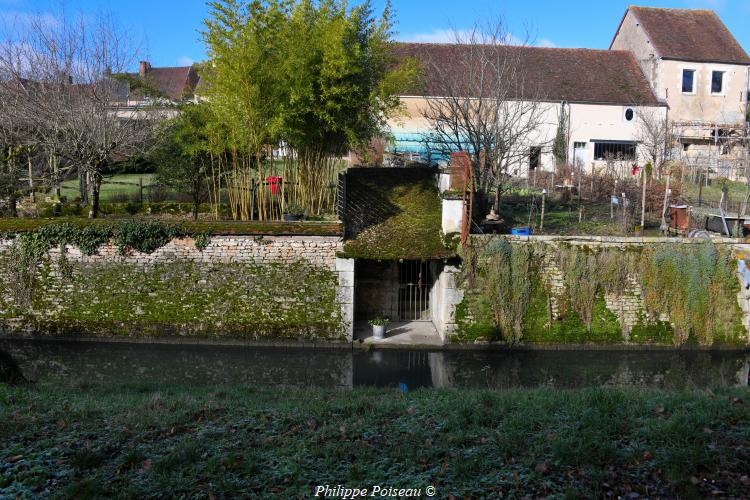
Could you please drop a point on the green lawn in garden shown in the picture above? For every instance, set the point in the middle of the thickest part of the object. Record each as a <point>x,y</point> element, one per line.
<point>736,192</point>
<point>138,439</point>
<point>70,187</point>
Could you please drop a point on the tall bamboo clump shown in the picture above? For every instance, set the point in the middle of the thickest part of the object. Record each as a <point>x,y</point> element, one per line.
<point>310,182</point>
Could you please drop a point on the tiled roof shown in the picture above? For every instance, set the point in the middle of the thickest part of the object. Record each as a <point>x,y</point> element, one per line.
<point>554,74</point>
<point>175,83</point>
<point>690,35</point>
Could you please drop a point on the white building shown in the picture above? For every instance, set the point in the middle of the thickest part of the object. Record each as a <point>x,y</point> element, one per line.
<point>603,93</point>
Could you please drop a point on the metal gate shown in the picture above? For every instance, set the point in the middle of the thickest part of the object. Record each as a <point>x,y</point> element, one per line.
<point>415,282</point>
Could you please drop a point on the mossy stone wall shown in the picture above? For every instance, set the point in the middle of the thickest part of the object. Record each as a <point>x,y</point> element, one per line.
<point>601,290</point>
<point>240,286</point>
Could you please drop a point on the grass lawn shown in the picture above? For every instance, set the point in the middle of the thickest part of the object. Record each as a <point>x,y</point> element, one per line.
<point>70,187</point>
<point>136,440</point>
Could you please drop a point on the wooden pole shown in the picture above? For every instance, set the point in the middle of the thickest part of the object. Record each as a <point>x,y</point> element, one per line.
<point>664,226</point>
<point>541,223</point>
<point>643,200</point>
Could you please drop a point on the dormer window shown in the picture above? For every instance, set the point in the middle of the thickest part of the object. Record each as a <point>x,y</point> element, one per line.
<point>688,81</point>
<point>717,82</point>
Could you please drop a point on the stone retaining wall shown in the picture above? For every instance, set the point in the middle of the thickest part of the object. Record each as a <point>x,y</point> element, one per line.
<point>248,286</point>
<point>628,305</point>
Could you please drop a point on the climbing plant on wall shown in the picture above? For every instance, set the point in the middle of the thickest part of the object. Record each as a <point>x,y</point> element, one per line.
<point>503,274</point>
<point>688,291</point>
<point>695,286</point>
<point>30,248</point>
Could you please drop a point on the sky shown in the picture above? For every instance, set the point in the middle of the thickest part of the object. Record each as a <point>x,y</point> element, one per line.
<point>168,30</point>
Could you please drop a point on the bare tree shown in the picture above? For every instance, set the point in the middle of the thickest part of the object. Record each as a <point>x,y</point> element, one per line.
<point>653,133</point>
<point>60,76</point>
<point>483,104</point>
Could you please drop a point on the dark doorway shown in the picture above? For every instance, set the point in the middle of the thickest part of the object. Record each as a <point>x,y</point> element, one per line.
<point>415,282</point>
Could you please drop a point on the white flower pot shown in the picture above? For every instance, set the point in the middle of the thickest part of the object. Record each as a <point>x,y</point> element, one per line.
<point>378,331</point>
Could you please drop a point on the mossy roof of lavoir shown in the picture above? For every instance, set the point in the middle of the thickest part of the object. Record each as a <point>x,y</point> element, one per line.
<point>410,211</point>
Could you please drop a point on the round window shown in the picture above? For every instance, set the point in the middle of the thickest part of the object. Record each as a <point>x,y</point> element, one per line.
<point>629,114</point>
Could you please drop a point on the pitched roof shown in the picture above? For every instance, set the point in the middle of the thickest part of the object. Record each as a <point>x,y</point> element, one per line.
<point>574,75</point>
<point>690,35</point>
<point>175,83</point>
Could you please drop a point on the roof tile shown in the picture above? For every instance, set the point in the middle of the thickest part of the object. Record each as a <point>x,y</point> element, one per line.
<point>690,35</point>
<point>575,75</point>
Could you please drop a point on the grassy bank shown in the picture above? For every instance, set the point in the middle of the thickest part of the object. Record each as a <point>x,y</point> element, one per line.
<point>137,440</point>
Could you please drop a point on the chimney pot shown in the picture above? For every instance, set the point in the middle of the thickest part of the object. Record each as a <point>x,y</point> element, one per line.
<point>143,69</point>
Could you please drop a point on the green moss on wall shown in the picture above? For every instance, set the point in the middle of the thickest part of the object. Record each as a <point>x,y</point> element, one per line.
<point>270,228</point>
<point>694,285</point>
<point>655,332</point>
<point>474,320</point>
<point>181,298</point>
<point>539,328</point>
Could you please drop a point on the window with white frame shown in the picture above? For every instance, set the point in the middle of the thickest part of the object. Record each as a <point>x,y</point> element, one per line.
<point>717,82</point>
<point>688,81</point>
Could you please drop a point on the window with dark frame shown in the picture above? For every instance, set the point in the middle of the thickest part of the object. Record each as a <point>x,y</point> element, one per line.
<point>688,81</point>
<point>717,82</point>
<point>614,150</point>
<point>535,157</point>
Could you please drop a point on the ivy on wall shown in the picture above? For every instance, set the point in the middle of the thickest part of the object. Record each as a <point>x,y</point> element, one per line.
<point>508,296</point>
<point>30,248</point>
<point>110,298</point>
<point>243,300</point>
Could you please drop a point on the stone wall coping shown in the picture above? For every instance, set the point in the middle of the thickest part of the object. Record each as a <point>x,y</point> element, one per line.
<point>616,239</point>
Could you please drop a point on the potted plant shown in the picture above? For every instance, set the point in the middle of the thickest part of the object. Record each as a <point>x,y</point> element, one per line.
<point>378,324</point>
<point>293,212</point>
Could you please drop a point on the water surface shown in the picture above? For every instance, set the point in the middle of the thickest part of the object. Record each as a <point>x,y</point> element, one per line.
<point>137,363</point>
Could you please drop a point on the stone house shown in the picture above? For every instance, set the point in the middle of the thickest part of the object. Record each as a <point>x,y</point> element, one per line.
<point>695,65</point>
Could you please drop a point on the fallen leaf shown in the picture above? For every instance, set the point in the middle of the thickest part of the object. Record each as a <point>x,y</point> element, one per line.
<point>542,468</point>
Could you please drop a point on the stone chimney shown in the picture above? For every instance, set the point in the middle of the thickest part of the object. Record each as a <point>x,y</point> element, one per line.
<point>143,69</point>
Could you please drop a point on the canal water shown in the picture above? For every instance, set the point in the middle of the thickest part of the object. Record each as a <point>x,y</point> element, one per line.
<point>133,363</point>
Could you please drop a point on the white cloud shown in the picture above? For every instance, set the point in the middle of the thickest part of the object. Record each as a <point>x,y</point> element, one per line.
<point>435,36</point>
<point>451,36</point>
<point>545,42</point>
<point>184,61</point>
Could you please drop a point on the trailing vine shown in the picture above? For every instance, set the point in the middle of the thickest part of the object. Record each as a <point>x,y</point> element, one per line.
<point>503,274</point>
<point>689,289</point>
<point>582,280</point>
<point>29,248</point>
<point>695,286</point>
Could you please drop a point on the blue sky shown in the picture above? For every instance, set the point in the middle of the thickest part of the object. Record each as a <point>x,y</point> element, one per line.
<point>168,29</point>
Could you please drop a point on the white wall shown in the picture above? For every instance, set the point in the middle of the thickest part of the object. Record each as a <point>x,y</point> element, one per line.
<point>588,122</point>
<point>453,213</point>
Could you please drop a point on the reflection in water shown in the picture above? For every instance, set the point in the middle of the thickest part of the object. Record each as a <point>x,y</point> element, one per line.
<point>133,363</point>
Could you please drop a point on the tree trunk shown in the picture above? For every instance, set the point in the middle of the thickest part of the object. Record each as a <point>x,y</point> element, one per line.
<point>83,188</point>
<point>96,184</point>
<point>196,204</point>
<point>12,205</point>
